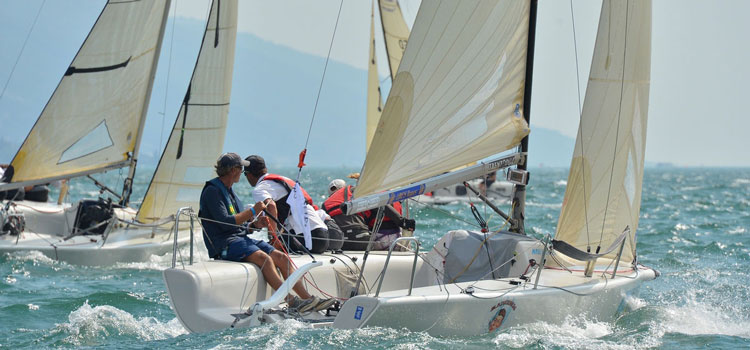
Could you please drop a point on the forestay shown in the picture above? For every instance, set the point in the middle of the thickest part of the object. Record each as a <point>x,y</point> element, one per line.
<point>197,137</point>
<point>94,118</point>
<point>457,96</point>
<point>603,195</point>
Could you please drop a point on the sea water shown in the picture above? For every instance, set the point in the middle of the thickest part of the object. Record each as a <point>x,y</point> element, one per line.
<point>694,229</point>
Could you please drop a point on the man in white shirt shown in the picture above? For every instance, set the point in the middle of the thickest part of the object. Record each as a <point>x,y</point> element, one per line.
<point>274,190</point>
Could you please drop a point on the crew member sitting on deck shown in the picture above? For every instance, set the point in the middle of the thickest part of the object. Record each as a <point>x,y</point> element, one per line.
<point>357,227</point>
<point>226,239</point>
<point>274,190</point>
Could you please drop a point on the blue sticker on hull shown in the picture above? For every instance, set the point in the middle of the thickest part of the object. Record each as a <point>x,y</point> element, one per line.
<point>358,313</point>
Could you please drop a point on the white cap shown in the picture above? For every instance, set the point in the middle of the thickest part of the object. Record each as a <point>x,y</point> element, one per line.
<point>335,185</point>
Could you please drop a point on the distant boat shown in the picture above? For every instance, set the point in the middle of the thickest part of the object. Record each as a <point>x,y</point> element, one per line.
<point>93,123</point>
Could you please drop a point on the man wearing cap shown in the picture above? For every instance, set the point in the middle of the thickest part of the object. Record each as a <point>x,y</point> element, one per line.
<point>222,219</point>
<point>274,190</point>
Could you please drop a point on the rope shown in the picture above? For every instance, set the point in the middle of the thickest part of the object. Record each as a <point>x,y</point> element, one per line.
<point>619,113</point>
<point>169,69</point>
<point>320,88</point>
<point>23,47</point>
<point>580,131</point>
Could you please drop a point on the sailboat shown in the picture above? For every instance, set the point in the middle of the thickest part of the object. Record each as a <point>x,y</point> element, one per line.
<point>462,95</point>
<point>101,103</point>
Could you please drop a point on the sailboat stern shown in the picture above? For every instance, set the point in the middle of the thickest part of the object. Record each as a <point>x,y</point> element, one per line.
<point>205,295</point>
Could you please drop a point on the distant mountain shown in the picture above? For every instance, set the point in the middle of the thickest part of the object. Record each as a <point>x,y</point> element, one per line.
<point>274,93</point>
<point>549,148</point>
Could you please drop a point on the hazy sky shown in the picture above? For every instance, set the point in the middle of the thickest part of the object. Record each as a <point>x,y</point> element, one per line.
<point>699,100</point>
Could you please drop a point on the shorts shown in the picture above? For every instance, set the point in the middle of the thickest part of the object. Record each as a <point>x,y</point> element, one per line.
<point>243,247</point>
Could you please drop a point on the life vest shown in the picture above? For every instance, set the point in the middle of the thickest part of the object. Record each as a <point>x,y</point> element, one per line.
<point>282,207</point>
<point>372,214</point>
<point>332,205</point>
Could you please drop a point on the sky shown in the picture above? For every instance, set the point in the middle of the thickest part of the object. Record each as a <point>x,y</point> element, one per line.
<point>699,101</point>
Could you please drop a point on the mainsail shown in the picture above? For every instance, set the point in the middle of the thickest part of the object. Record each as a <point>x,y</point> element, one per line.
<point>396,34</point>
<point>94,118</point>
<point>197,137</point>
<point>457,96</point>
<point>603,196</point>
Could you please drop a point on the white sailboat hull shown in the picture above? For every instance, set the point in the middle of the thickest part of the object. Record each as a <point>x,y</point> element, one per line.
<point>447,311</point>
<point>207,295</point>
<point>499,191</point>
<point>48,225</point>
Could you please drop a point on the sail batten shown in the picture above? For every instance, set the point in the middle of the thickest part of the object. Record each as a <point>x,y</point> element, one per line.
<point>107,83</point>
<point>197,136</point>
<point>602,198</point>
<point>457,96</point>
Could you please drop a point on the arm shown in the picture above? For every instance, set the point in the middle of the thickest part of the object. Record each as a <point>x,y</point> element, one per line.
<point>247,215</point>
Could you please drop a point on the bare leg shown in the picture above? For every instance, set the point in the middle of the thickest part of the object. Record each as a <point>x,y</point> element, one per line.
<point>267,267</point>
<point>282,261</point>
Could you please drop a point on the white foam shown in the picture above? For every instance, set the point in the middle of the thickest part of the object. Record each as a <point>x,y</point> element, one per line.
<point>702,318</point>
<point>740,182</point>
<point>34,256</point>
<point>90,325</point>
<point>574,333</point>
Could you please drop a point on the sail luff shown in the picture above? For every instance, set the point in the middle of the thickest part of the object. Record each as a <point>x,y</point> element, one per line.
<point>197,136</point>
<point>395,33</point>
<point>374,98</point>
<point>127,187</point>
<point>90,121</point>
<point>457,96</point>
<point>602,199</point>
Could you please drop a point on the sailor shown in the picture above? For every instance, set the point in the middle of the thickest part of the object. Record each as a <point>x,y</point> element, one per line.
<point>274,190</point>
<point>357,227</point>
<point>222,216</point>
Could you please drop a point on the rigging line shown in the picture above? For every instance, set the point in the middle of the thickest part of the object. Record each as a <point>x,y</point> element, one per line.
<point>320,88</point>
<point>619,114</point>
<point>23,47</point>
<point>580,130</point>
<point>169,69</point>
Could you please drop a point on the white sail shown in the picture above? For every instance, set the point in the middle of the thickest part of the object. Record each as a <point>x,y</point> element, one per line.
<point>198,134</point>
<point>603,195</point>
<point>395,32</point>
<point>457,97</point>
<point>94,118</point>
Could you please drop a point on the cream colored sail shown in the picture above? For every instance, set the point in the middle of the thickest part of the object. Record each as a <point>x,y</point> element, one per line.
<point>603,195</point>
<point>374,98</point>
<point>94,117</point>
<point>198,134</point>
<point>395,31</point>
<point>396,34</point>
<point>457,97</point>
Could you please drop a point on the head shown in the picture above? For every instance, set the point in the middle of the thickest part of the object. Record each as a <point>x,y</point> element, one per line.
<point>335,185</point>
<point>229,167</point>
<point>255,168</point>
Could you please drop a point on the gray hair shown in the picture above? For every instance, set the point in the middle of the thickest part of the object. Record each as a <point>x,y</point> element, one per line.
<point>223,170</point>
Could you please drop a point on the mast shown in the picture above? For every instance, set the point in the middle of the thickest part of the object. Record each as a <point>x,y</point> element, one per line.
<point>519,194</point>
<point>127,186</point>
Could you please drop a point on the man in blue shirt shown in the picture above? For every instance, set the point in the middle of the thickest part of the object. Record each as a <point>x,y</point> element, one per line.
<point>225,236</point>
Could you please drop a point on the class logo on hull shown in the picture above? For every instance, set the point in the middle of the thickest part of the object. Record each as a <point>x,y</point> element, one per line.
<point>504,309</point>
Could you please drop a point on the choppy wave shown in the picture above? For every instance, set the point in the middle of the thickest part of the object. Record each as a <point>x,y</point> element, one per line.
<point>89,325</point>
